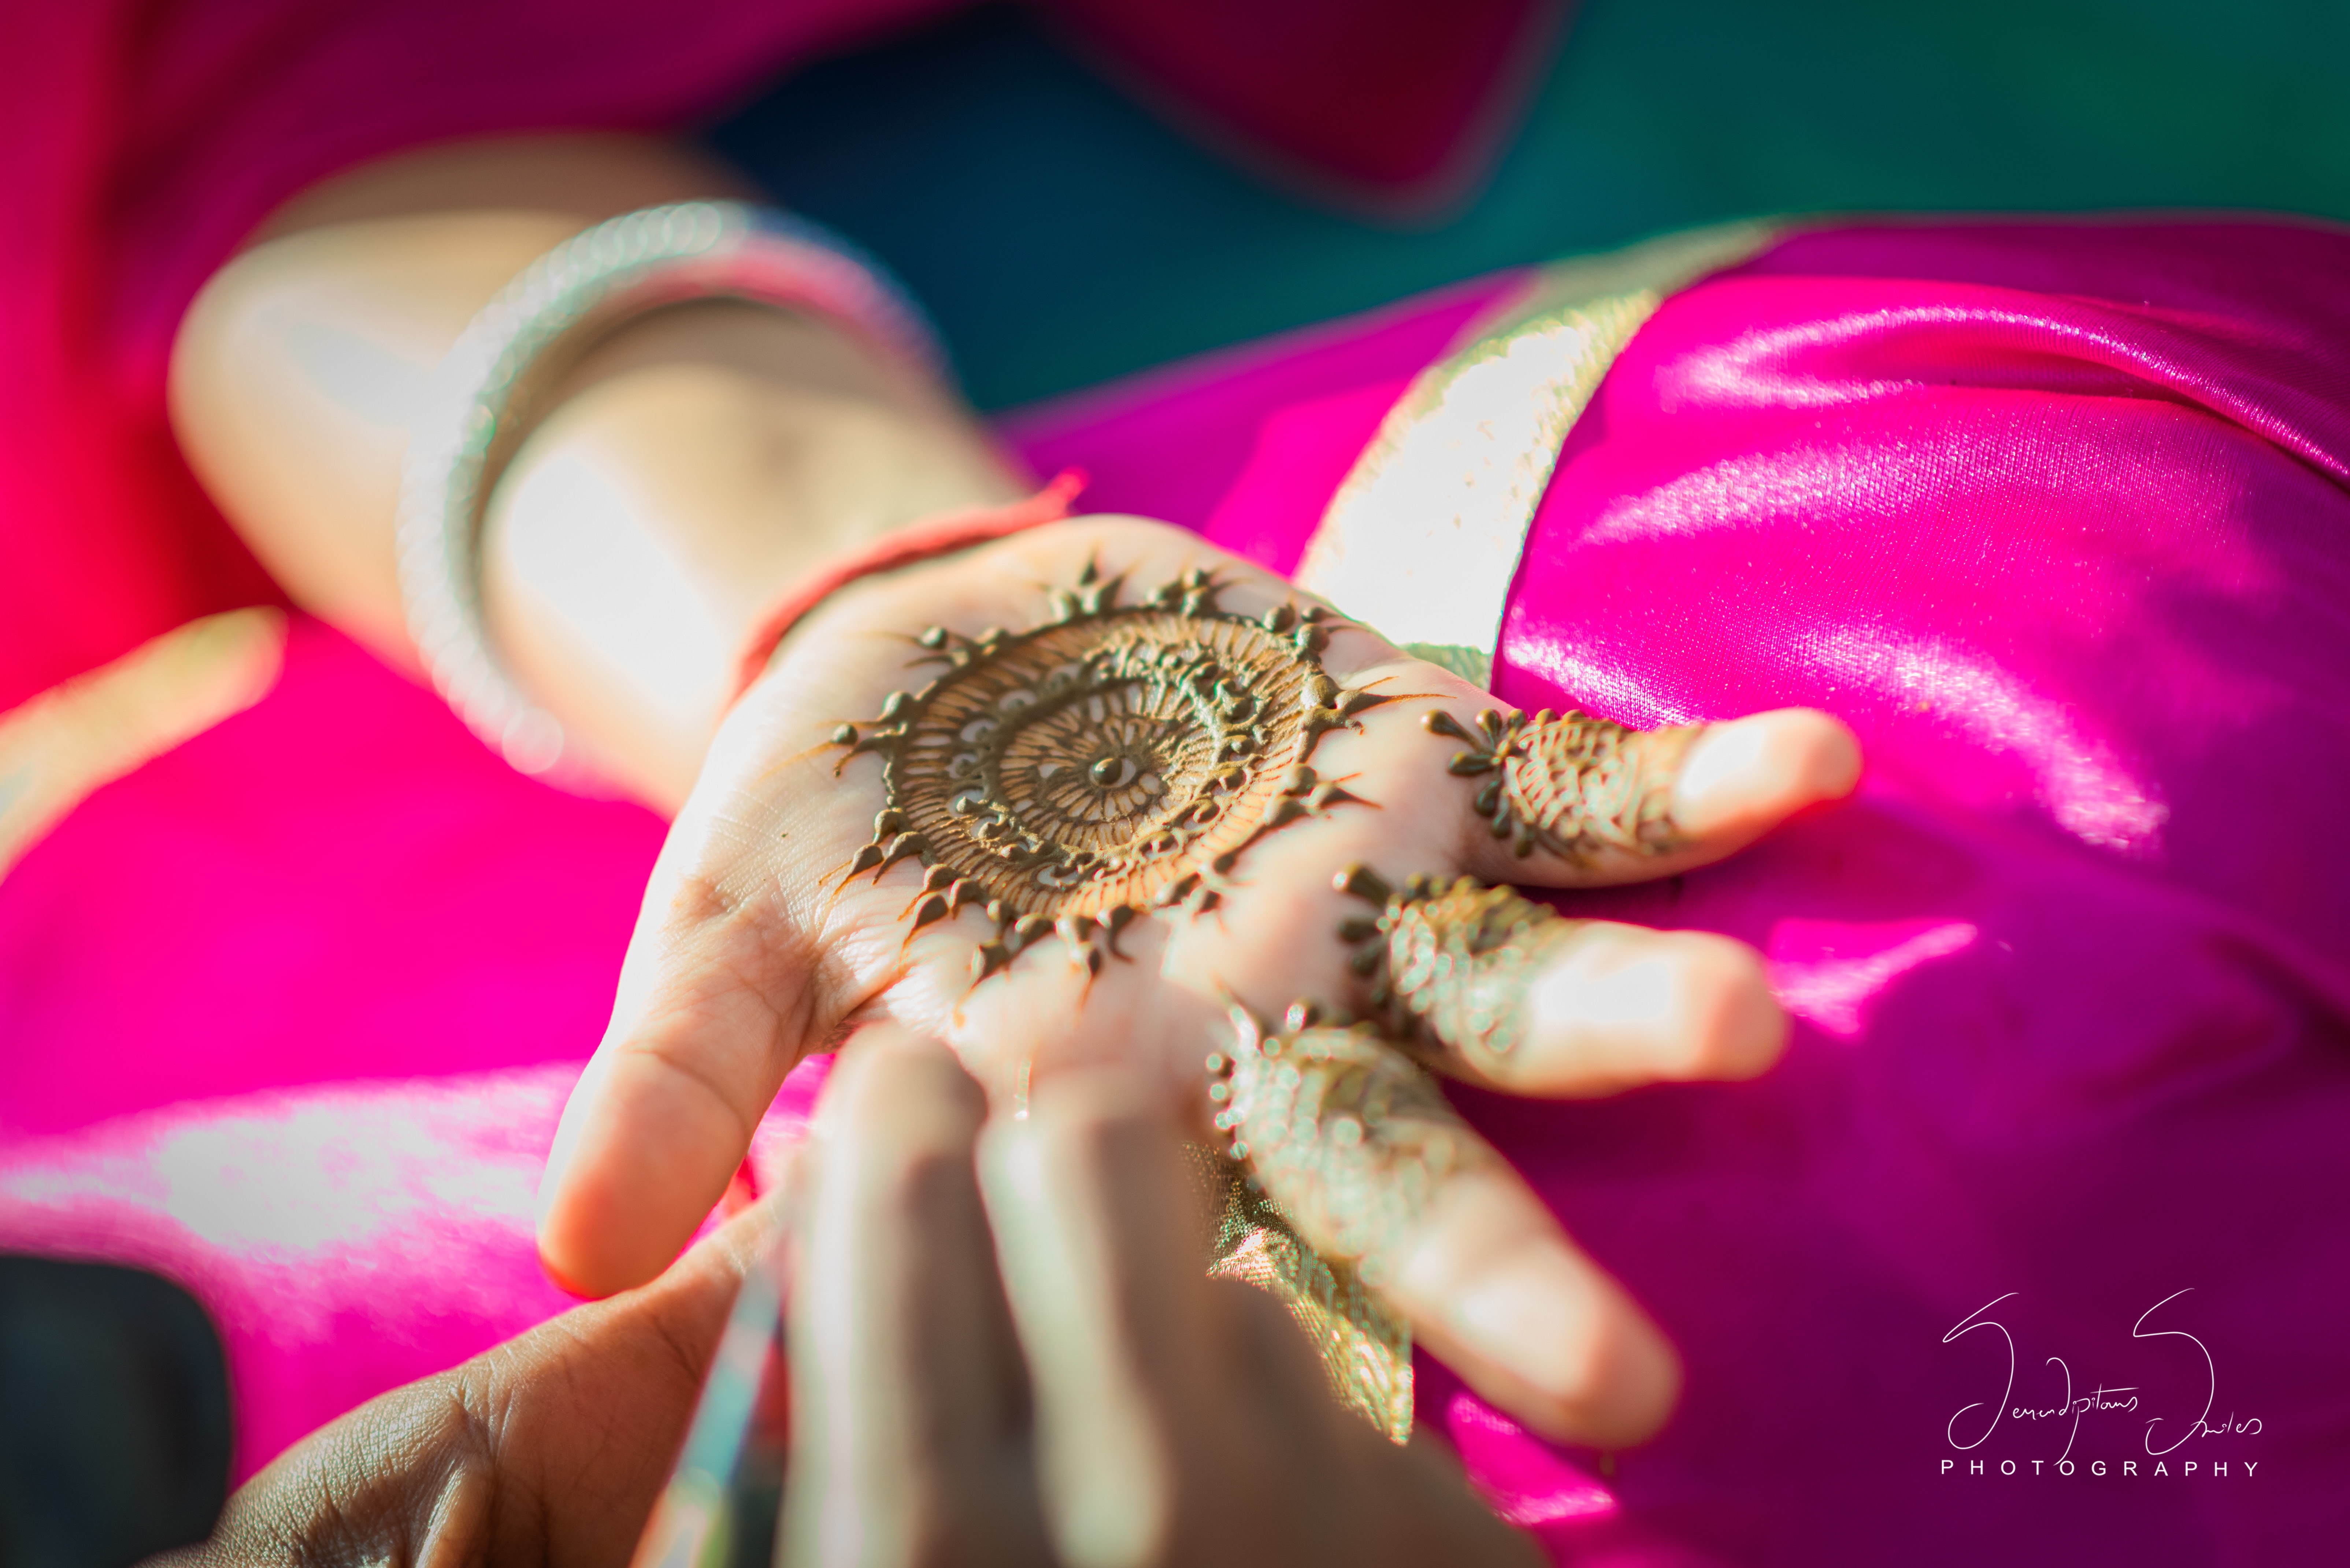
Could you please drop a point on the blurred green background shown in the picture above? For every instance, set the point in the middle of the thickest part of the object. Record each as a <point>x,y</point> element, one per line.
<point>1062,234</point>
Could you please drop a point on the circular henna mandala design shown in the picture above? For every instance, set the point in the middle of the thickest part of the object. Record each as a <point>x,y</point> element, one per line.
<point>1116,759</point>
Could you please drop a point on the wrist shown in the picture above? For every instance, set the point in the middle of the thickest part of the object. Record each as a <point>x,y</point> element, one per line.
<point>694,469</point>
<point>647,515</point>
<point>944,533</point>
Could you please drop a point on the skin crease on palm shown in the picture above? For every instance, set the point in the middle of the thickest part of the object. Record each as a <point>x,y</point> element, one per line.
<point>751,952</point>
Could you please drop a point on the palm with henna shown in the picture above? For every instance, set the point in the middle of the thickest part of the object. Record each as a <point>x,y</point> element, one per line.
<point>1129,827</point>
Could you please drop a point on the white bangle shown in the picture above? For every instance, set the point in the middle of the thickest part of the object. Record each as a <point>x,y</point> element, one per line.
<point>521,344</point>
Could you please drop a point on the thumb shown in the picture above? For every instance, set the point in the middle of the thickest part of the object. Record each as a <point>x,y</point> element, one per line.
<point>717,1003</point>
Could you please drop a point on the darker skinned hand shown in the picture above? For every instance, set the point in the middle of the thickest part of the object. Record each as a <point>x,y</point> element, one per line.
<point>547,1449</point>
<point>1005,1353</point>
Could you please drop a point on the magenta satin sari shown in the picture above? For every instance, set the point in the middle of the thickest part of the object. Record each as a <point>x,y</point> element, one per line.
<point>2055,516</point>
<point>2029,1250</point>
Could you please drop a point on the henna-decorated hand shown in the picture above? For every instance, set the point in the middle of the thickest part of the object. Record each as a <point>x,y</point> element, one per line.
<point>1152,815</point>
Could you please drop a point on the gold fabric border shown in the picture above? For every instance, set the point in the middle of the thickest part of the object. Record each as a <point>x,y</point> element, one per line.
<point>1422,539</point>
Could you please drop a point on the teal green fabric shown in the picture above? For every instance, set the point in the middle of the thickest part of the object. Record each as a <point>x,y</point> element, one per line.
<point>1062,234</point>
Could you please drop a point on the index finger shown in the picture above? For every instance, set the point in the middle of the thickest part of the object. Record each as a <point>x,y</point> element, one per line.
<point>910,1407</point>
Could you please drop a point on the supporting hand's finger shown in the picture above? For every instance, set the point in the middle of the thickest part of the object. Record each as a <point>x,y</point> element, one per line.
<point>1374,1167</point>
<point>1573,801</point>
<point>1509,993</point>
<point>1384,1505</point>
<point>1101,1249</point>
<point>1178,1421</point>
<point>910,1404</point>
<point>1183,1421</point>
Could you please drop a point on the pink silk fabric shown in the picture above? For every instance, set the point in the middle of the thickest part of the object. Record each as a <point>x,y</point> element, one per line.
<point>2053,515</point>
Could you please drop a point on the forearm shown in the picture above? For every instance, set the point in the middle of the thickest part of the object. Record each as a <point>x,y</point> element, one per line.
<point>691,466</point>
